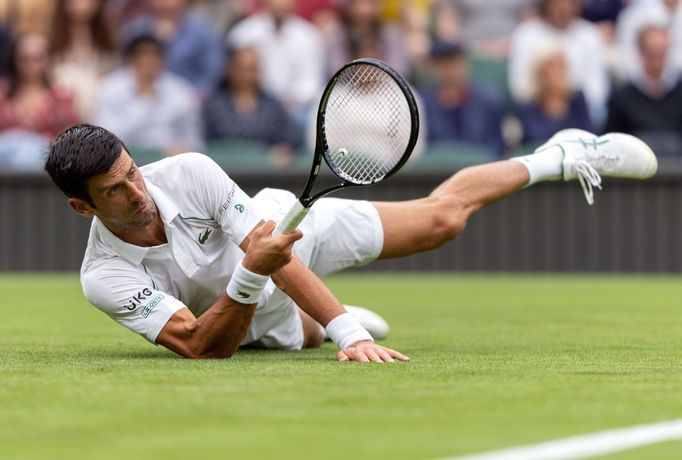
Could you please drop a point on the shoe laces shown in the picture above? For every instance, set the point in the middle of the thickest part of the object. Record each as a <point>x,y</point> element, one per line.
<point>589,178</point>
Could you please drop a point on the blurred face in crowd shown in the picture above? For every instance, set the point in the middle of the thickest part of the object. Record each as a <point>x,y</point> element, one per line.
<point>243,71</point>
<point>281,9</point>
<point>168,7</point>
<point>452,71</point>
<point>560,13</point>
<point>82,10</point>
<point>552,75</point>
<point>147,61</point>
<point>671,4</point>
<point>654,43</point>
<point>363,12</point>
<point>32,57</point>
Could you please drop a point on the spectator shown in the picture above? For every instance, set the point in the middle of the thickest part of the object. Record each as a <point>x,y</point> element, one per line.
<point>650,105</point>
<point>361,21</point>
<point>147,106</point>
<point>457,110</point>
<point>603,11</point>
<point>241,110</point>
<point>193,48</point>
<point>5,46</point>
<point>554,104</point>
<point>30,101</point>
<point>413,18</point>
<point>223,14</point>
<point>25,16</point>
<point>325,15</point>
<point>487,26</point>
<point>580,40</point>
<point>32,109</point>
<point>83,49</point>
<point>291,54</point>
<point>641,13</point>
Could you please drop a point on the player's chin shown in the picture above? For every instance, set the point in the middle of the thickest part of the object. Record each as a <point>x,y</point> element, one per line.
<point>142,218</point>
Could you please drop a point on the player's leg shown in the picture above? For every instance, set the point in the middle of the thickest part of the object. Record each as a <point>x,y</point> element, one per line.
<point>313,333</point>
<point>419,225</point>
<point>426,223</point>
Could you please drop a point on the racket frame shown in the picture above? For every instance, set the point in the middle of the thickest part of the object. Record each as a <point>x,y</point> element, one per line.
<point>300,208</point>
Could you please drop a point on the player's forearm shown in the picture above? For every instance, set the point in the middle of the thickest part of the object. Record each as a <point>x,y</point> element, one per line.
<point>220,330</point>
<point>308,291</point>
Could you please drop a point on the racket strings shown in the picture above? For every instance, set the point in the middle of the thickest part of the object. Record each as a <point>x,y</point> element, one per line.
<point>367,124</point>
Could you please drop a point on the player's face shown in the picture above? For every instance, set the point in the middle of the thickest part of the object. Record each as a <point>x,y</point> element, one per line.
<point>121,198</point>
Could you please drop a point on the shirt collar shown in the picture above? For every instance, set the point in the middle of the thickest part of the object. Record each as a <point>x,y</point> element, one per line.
<point>136,254</point>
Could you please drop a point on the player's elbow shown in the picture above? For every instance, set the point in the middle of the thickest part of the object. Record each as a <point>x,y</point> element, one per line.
<point>444,227</point>
<point>208,354</point>
<point>196,348</point>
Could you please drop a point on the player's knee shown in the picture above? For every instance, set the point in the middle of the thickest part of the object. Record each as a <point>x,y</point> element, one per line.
<point>313,333</point>
<point>314,337</point>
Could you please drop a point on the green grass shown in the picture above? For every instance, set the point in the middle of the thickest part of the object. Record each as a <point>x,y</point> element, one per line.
<point>497,361</point>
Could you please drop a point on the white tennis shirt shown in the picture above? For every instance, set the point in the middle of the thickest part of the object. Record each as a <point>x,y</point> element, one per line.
<point>206,216</point>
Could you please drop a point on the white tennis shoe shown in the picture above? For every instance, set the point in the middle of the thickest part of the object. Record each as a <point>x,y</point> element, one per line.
<point>588,157</point>
<point>376,325</point>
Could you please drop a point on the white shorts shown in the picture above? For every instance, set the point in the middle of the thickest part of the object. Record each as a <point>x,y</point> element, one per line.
<point>337,234</point>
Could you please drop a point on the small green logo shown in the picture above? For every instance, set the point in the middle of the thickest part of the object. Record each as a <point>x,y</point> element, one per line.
<point>243,295</point>
<point>151,305</point>
<point>204,237</point>
<point>239,207</point>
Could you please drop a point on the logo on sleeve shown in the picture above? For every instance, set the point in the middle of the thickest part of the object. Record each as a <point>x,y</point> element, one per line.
<point>136,300</point>
<point>243,295</point>
<point>239,207</point>
<point>203,238</point>
<point>151,305</point>
<point>227,202</point>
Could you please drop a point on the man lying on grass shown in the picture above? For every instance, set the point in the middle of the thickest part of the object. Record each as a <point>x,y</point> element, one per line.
<point>178,253</point>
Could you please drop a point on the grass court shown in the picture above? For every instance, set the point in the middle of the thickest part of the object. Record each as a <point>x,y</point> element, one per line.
<point>497,361</point>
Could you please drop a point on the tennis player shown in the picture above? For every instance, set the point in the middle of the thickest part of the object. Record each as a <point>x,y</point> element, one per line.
<point>178,253</point>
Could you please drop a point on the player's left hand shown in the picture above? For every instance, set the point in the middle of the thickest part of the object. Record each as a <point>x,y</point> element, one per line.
<point>367,352</point>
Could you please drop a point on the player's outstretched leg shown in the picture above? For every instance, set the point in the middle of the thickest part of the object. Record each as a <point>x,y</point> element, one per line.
<point>426,223</point>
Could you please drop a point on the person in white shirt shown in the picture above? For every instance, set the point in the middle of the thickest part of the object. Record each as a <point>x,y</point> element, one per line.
<point>148,106</point>
<point>560,26</point>
<point>178,253</point>
<point>291,54</point>
<point>639,15</point>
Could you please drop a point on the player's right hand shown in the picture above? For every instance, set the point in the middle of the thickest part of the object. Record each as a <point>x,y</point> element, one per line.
<point>266,253</point>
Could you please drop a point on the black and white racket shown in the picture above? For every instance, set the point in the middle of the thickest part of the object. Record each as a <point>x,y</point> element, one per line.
<point>367,126</point>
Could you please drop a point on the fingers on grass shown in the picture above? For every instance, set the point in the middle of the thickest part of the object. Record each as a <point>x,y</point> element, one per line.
<point>397,355</point>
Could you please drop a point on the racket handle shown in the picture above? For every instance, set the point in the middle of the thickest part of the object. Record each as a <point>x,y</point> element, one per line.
<point>291,220</point>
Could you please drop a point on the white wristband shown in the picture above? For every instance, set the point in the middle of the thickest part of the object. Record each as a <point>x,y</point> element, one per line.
<point>345,330</point>
<point>245,286</point>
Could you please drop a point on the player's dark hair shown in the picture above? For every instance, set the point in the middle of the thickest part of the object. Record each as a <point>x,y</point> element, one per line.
<point>79,154</point>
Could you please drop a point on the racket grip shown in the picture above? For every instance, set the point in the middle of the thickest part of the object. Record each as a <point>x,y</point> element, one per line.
<point>292,218</point>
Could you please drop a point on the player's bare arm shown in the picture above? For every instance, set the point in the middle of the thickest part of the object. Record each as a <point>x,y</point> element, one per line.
<point>313,297</point>
<point>219,331</point>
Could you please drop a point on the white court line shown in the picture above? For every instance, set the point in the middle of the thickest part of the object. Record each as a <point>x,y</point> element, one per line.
<point>588,445</point>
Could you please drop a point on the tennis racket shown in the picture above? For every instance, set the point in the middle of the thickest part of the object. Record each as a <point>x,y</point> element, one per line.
<point>367,126</point>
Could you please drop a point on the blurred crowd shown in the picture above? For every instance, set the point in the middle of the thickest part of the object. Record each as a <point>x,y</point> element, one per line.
<point>492,76</point>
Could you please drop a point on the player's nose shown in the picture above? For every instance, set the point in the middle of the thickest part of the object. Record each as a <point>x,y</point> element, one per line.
<point>135,192</point>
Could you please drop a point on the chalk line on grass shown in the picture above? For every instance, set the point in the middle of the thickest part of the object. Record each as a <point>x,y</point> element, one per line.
<point>587,445</point>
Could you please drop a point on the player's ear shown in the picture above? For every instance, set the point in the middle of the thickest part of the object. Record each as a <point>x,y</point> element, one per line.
<point>82,207</point>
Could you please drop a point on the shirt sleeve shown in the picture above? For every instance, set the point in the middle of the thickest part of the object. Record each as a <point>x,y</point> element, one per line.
<point>129,296</point>
<point>222,198</point>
